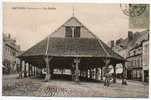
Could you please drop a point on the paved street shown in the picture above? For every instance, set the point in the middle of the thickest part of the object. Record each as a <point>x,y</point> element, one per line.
<point>37,87</point>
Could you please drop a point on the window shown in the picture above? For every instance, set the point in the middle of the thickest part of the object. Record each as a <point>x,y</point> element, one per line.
<point>14,54</point>
<point>72,31</point>
<point>68,31</point>
<point>77,32</point>
<point>146,54</point>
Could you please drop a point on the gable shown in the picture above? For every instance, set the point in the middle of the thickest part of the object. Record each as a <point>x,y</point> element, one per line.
<point>72,22</point>
<point>84,32</point>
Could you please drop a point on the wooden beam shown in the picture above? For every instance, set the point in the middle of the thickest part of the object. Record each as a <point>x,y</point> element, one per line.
<point>114,73</point>
<point>124,81</point>
<point>25,69</point>
<point>20,69</point>
<point>28,69</point>
<point>76,61</point>
<point>101,73</point>
<point>48,76</point>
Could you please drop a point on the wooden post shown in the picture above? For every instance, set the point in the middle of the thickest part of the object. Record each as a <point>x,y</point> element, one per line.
<point>51,73</point>
<point>80,73</point>
<point>96,73</point>
<point>20,69</point>
<point>114,73</point>
<point>76,61</point>
<point>72,72</point>
<point>41,71</point>
<point>90,70</point>
<point>124,82</point>
<point>35,70</point>
<point>89,73</point>
<point>86,71</point>
<point>31,70</point>
<point>48,76</point>
<point>101,73</point>
<point>25,70</point>
<point>28,70</point>
<point>106,65</point>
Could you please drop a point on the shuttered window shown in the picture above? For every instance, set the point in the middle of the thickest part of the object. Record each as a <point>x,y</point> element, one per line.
<point>77,32</point>
<point>68,32</point>
<point>72,31</point>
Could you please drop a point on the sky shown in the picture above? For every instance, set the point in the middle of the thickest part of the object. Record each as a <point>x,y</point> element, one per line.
<point>32,23</point>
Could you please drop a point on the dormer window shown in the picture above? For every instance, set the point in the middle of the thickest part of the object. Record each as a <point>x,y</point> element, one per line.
<point>72,31</point>
<point>77,32</point>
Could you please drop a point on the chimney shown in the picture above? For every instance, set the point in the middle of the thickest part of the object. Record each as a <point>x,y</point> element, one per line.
<point>130,35</point>
<point>112,43</point>
<point>119,41</point>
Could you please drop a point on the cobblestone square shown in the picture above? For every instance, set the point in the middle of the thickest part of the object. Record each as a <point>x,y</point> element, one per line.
<point>37,87</point>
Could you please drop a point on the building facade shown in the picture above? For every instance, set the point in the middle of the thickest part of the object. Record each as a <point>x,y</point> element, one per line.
<point>134,63</point>
<point>135,48</point>
<point>145,57</point>
<point>10,51</point>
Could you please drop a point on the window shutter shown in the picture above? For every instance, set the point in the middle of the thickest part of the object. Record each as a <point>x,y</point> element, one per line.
<point>68,32</point>
<point>77,32</point>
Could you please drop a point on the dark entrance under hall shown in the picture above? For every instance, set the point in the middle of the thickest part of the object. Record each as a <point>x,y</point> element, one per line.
<point>80,68</point>
<point>64,69</point>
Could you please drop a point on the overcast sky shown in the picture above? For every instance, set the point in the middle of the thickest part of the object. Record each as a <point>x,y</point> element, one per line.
<point>30,26</point>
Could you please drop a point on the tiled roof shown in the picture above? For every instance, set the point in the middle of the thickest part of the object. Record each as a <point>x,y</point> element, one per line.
<point>137,36</point>
<point>72,47</point>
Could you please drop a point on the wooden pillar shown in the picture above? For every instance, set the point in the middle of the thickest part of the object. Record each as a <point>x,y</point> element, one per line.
<point>51,73</point>
<point>31,70</point>
<point>62,71</point>
<point>76,61</point>
<point>114,73</point>
<point>83,72</point>
<point>20,69</point>
<point>142,75</point>
<point>28,70</point>
<point>34,70</point>
<point>124,82</point>
<point>101,73</point>
<point>106,65</point>
<point>90,73</point>
<point>86,72</point>
<point>41,71</point>
<point>96,73</point>
<point>72,72</point>
<point>25,69</point>
<point>48,76</point>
